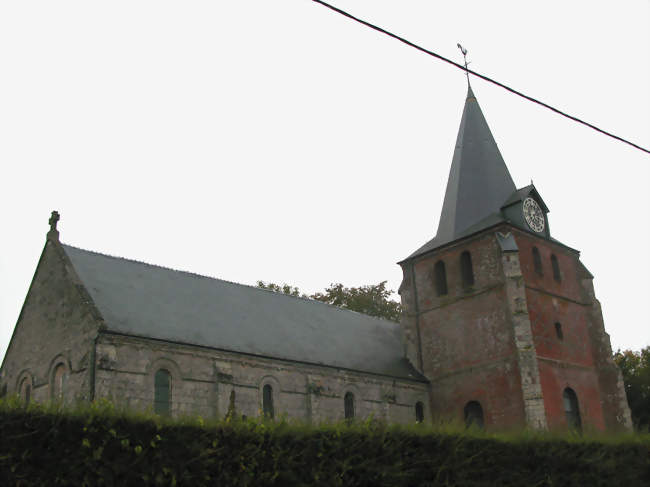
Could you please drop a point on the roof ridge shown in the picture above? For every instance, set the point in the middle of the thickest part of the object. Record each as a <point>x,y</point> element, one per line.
<point>226,281</point>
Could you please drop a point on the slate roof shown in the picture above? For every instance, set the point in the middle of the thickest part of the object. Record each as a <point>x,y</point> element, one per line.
<point>437,241</point>
<point>140,299</point>
<point>522,193</point>
<point>479,182</point>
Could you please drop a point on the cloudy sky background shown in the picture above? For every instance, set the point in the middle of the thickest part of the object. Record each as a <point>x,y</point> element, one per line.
<point>277,140</point>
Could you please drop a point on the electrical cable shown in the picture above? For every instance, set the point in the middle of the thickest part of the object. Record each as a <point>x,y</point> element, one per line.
<point>478,75</point>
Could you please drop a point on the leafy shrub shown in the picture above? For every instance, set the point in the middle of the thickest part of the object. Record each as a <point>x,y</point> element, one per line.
<point>99,445</point>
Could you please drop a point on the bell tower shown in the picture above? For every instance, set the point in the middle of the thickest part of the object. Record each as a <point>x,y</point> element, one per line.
<point>498,315</point>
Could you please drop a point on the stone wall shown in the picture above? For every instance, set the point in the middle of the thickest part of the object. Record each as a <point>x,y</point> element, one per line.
<point>59,326</point>
<point>56,325</point>
<point>524,340</point>
<point>203,381</point>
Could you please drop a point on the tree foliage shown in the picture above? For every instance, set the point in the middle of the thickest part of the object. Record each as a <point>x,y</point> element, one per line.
<point>372,299</point>
<point>635,367</point>
<point>284,289</point>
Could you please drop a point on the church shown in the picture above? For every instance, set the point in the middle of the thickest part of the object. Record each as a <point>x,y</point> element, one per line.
<point>500,327</point>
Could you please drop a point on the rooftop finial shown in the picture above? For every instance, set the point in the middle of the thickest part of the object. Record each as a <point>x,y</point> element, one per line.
<point>53,233</point>
<point>464,51</point>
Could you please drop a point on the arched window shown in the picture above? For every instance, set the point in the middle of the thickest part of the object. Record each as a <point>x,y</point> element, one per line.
<point>466,270</point>
<point>162,392</point>
<point>419,412</point>
<point>231,405</point>
<point>556,268</point>
<point>59,380</point>
<point>571,409</point>
<point>349,405</point>
<point>440,278</point>
<point>473,414</point>
<point>25,390</point>
<point>537,261</point>
<point>267,401</point>
<point>558,331</point>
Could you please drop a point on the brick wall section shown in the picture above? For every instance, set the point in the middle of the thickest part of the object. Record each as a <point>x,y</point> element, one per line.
<point>56,325</point>
<point>495,385</point>
<point>466,336</point>
<point>555,377</point>
<point>203,379</point>
<point>581,359</point>
<point>615,407</point>
<point>496,342</point>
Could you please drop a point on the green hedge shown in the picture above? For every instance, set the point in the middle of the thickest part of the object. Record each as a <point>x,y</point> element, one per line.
<point>98,446</point>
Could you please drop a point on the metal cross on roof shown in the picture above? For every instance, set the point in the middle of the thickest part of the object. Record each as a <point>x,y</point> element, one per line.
<point>464,51</point>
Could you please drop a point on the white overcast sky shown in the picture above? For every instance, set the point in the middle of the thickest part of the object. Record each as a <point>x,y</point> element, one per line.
<point>278,140</point>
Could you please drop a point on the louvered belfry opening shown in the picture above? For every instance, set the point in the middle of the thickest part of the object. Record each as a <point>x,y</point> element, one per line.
<point>440,278</point>
<point>466,270</point>
<point>556,268</point>
<point>537,261</point>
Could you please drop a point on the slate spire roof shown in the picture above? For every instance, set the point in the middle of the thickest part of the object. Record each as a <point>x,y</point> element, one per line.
<point>479,182</point>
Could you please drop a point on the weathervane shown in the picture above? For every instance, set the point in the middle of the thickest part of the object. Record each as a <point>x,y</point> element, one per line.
<point>464,51</point>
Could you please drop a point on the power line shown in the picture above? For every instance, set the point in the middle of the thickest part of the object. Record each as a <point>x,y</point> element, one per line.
<point>478,75</point>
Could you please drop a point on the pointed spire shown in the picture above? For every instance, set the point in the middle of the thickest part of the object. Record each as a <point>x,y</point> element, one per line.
<point>479,182</point>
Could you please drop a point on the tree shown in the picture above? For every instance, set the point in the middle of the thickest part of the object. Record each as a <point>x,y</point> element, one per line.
<point>635,367</point>
<point>373,300</point>
<point>284,289</point>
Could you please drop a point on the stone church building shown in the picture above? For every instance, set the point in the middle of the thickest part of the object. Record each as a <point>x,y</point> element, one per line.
<point>500,327</point>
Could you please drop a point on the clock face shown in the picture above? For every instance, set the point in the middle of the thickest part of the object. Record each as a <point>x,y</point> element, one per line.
<point>533,214</point>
